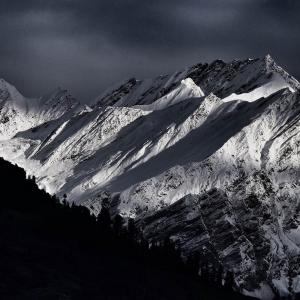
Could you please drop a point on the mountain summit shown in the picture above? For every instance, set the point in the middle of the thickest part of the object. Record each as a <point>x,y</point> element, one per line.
<point>261,77</point>
<point>208,156</point>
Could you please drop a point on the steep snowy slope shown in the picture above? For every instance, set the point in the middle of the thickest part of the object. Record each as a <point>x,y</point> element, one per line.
<point>237,135</point>
<point>209,156</point>
<point>18,113</point>
<point>59,146</point>
<point>187,89</point>
<point>99,145</point>
<point>247,214</point>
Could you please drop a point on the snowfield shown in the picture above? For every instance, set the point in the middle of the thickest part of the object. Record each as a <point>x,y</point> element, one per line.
<point>209,156</point>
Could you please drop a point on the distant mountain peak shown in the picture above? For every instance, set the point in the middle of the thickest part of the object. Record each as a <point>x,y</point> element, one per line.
<point>268,58</point>
<point>19,113</point>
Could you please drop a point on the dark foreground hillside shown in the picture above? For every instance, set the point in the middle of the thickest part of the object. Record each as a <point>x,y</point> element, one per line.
<point>52,251</point>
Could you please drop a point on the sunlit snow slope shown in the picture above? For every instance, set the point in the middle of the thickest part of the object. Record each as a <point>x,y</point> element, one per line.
<point>209,156</point>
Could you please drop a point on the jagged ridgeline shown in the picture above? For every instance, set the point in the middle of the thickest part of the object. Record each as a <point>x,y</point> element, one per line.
<point>208,157</point>
<point>51,250</point>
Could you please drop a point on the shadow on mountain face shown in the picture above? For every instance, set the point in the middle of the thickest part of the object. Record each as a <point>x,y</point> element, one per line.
<point>53,251</point>
<point>131,138</point>
<point>199,144</point>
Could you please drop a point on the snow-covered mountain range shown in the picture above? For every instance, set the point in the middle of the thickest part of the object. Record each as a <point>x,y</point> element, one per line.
<point>209,156</point>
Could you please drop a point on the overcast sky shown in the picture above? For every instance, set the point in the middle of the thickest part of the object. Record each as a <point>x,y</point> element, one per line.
<point>86,45</point>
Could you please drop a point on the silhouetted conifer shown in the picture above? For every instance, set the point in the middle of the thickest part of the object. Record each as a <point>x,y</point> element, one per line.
<point>104,220</point>
<point>219,276</point>
<point>204,272</point>
<point>229,281</point>
<point>192,264</point>
<point>132,229</point>
<point>118,225</point>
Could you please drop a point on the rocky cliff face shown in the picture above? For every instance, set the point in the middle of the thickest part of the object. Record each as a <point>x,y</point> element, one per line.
<point>209,156</point>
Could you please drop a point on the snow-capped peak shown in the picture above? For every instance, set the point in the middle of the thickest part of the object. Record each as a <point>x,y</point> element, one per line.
<point>187,89</point>
<point>264,78</point>
<point>238,79</point>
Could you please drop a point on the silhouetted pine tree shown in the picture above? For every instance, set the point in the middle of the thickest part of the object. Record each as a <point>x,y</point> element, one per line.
<point>204,271</point>
<point>192,264</point>
<point>143,244</point>
<point>104,221</point>
<point>229,283</point>
<point>118,226</point>
<point>132,230</point>
<point>219,276</point>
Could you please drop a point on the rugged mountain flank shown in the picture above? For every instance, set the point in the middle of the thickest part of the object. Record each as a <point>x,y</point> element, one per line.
<point>261,77</point>
<point>208,156</point>
<point>18,113</point>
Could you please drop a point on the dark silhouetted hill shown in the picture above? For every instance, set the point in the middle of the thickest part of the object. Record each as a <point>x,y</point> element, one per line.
<point>49,250</point>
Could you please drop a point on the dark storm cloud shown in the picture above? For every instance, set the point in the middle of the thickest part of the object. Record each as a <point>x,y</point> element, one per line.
<point>86,45</point>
